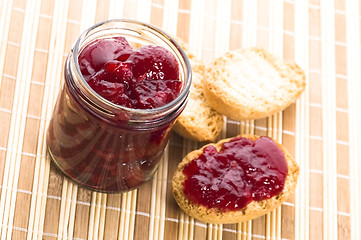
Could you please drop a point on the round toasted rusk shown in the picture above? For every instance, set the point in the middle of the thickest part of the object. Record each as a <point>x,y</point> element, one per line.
<point>252,83</point>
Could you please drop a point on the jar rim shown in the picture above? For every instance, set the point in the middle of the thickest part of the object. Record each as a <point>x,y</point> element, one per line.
<point>169,107</point>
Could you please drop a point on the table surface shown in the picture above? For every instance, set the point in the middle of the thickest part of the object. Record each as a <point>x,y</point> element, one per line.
<point>321,129</point>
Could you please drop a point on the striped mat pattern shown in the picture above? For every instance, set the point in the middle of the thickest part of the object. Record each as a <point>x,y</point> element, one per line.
<point>322,129</point>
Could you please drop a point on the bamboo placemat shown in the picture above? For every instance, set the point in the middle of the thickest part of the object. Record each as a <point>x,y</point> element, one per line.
<point>322,129</point>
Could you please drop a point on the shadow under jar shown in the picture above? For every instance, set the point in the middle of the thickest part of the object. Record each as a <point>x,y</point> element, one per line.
<point>102,145</point>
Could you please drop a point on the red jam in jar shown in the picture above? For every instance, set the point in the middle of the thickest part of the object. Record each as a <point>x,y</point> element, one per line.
<point>125,84</point>
<point>242,171</point>
<point>144,78</point>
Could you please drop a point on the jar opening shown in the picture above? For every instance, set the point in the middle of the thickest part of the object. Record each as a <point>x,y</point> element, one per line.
<point>136,33</point>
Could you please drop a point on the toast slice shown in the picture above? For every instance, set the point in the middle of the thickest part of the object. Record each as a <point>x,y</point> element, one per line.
<point>252,210</point>
<point>252,83</point>
<point>198,121</point>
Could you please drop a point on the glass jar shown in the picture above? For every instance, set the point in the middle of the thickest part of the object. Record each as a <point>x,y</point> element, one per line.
<point>104,146</point>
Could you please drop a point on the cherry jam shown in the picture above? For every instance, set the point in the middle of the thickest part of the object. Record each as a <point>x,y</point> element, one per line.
<point>125,84</point>
<point>242,171</point>
<point>141,78</point>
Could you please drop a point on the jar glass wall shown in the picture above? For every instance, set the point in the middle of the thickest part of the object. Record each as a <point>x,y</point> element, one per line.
<point>104,146</point>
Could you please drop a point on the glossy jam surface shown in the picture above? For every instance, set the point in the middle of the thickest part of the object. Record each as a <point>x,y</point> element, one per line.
<point>107,155</point>
<point>143,78</point>
<point>240,172</point>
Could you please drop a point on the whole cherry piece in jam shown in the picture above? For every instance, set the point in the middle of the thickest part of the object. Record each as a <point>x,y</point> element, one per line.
<point>145,78</point>
<point>99,52</point>
<point>154,63</point>
<point>242,171</point>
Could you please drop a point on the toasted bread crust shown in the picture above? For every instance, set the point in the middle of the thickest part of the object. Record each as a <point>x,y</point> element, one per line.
<point>251,83</point>
<point>253,210</point>
<point>198,121</point>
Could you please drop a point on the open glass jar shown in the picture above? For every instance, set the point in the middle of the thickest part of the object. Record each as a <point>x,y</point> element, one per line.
<point>104,146</point>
